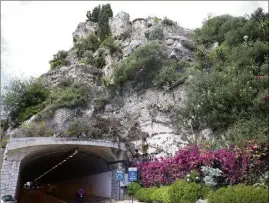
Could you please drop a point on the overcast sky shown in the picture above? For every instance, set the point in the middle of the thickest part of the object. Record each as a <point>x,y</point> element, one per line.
<point>31,32</point>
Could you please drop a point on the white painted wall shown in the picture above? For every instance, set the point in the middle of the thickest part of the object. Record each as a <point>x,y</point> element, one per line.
<point>99,185</point>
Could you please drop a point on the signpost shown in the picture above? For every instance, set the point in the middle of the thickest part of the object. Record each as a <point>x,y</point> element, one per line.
<point>119,178</point>
<point>132,176</point>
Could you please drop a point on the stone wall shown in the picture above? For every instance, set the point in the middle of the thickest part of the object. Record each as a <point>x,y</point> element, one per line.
<point>9,177</point>
<point>116,187</point>
<point>1,163</point>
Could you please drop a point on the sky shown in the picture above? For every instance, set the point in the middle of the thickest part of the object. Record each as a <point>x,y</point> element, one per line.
<point>31,32</point>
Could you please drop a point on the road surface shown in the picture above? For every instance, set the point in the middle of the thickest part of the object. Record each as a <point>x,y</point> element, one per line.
<point>35,196</point>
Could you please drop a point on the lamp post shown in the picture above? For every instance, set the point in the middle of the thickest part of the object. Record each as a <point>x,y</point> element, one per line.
<point>246,38</point>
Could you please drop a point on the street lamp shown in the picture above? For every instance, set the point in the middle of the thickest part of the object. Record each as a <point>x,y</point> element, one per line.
<point>247,42</point>
<point>246,39</point>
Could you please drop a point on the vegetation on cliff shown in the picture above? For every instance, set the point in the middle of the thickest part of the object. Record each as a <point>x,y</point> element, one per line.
<point>226,85</point>
<point>229,93</point>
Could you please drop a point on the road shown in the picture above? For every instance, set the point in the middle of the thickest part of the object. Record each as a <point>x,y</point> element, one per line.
<point>35,196</point>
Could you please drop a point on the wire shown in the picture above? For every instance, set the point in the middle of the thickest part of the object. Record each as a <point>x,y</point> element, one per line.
<point>57,165</point>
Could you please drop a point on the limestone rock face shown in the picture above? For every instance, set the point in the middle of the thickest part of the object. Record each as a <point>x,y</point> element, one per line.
<point>120,24</point>
<point>84,29</point>
<point>150,110</point>
<point>74,73</point>
<point>132,114</point>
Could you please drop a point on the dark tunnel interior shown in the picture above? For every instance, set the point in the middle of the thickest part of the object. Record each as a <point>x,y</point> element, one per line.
<point>81,164</point>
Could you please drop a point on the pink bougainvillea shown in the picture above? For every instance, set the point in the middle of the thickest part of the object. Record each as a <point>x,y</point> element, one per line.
<point>238,164</point>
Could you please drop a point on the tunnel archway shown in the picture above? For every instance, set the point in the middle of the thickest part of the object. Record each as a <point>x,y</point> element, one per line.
<point>90,169</point>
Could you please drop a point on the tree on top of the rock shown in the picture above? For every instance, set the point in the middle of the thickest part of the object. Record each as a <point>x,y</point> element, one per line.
<point>103,24</point>
<point>95,14</point>
<point>107,9</point>
<point>89,16</point>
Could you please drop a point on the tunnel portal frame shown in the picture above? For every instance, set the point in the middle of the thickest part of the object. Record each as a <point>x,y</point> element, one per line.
<point>20,151</point>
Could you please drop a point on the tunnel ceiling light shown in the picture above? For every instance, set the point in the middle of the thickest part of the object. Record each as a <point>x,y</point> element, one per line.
<point>72,155</point>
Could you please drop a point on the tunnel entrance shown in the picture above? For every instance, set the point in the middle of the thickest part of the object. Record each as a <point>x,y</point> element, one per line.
<point>89,169</point>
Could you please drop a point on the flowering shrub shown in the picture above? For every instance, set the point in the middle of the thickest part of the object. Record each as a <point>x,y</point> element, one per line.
<point>239,165</point>
<point>193,176</point>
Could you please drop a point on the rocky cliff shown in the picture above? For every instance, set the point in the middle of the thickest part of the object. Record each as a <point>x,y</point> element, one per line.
<point>131,114</point>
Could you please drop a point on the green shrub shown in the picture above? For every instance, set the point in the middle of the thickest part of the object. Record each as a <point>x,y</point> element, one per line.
<point>65,82</point>
<point>263,181</point>
<point>142,65</point>
<point>40,129</point>
<point>133,188</point>
<point>156,33</point>
<point>59,59</point>
<point>172,74</point>
<point>156,20</point>
<point>227,96</point>
<point>87,58</point>
<point>99,60</point>
<point>188,44</point>
<point>90,43</point>
<point>252,129</point>
<point>230,29</point>
<point>111,45</point>
<point>238,194</point>
<point>23,99</point>
<point>126,34</point>
<point>144,194</point>
<point>205,191</point>
<point>193,176</point>
<point>69,97</point>
<point>81,128</point>
<point>168,22</point>
<point>181,191</point>
<point>161,195</point>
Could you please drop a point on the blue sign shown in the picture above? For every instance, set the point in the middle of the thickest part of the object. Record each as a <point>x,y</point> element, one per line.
<point>119,176</point>
<point>132,174</point>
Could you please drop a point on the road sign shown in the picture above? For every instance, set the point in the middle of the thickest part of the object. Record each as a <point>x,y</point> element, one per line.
<point>119,176</point>
<point>132,174</point>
